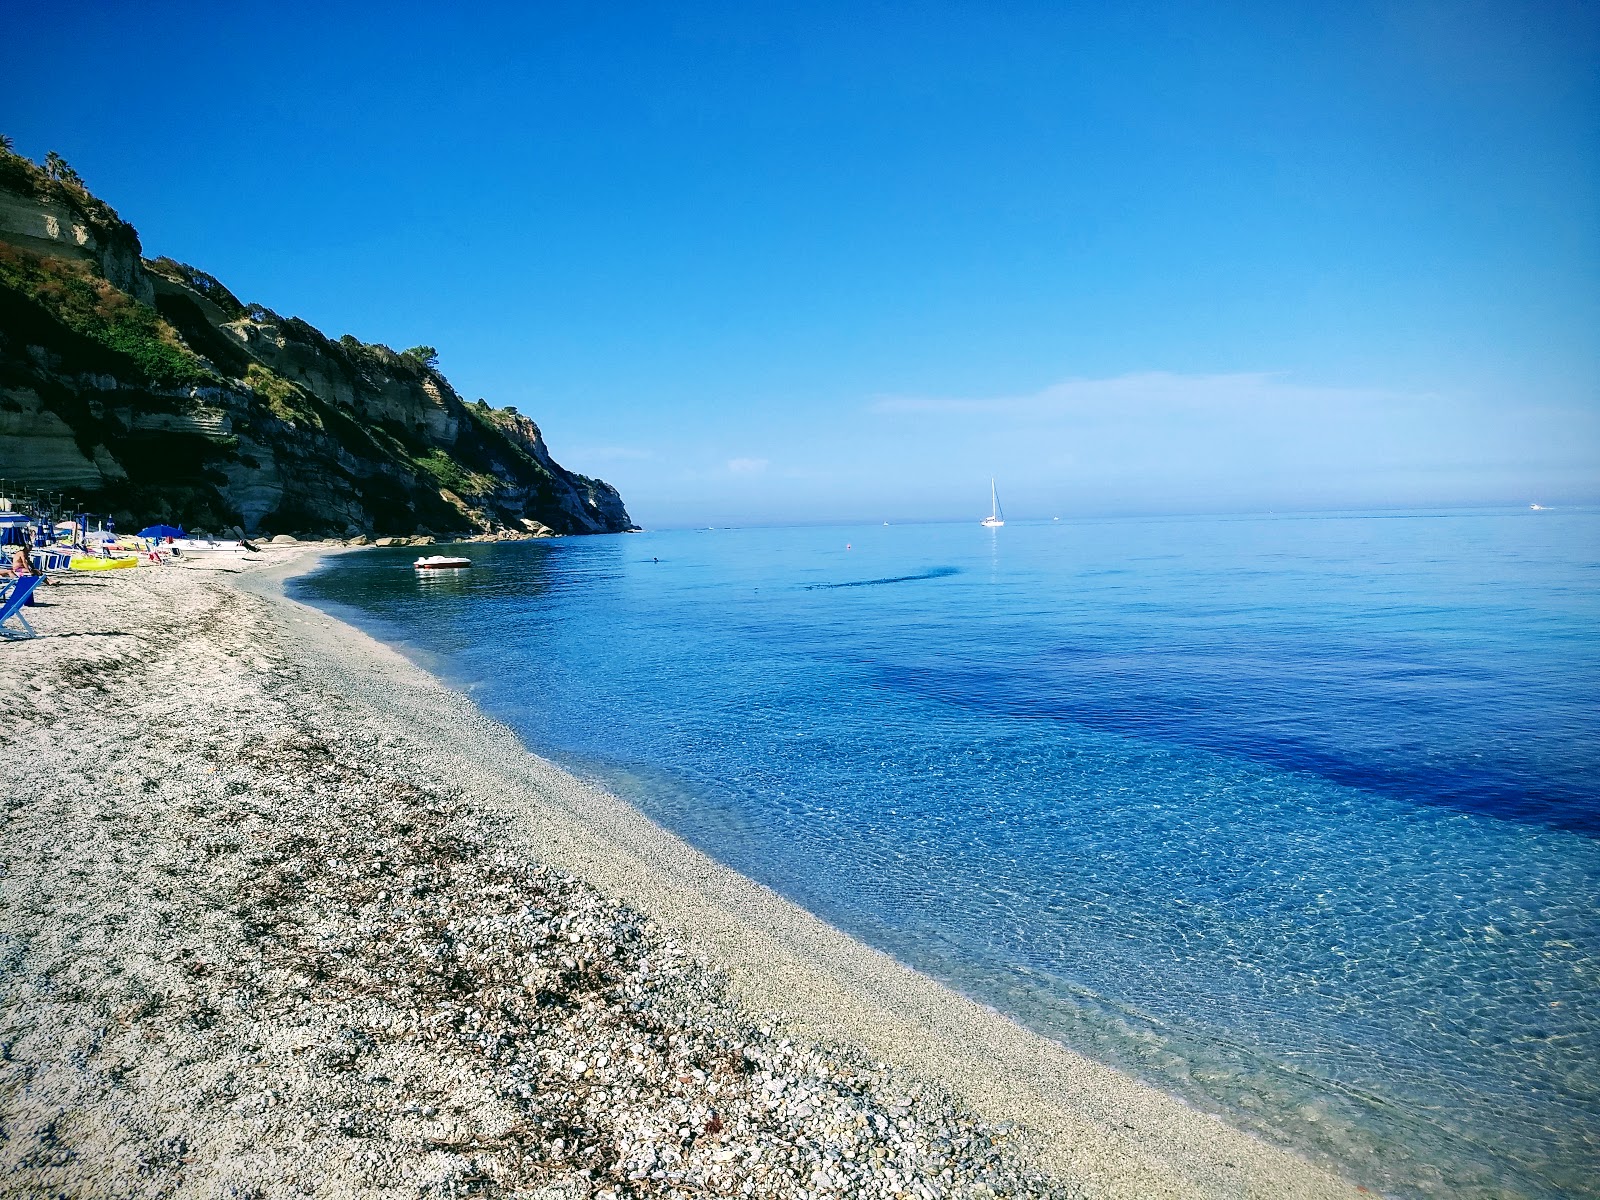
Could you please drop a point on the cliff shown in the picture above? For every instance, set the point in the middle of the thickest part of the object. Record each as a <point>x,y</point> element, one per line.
<point>147,390</point>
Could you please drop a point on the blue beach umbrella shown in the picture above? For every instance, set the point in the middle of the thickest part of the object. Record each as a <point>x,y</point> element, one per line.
<point>161,531</point>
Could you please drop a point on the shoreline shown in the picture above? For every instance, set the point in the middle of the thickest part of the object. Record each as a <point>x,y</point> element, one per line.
<point>1099,1132</point>
<point>856,992</point>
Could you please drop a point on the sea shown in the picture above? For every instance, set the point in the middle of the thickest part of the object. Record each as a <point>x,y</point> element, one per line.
<point>1296,817</point>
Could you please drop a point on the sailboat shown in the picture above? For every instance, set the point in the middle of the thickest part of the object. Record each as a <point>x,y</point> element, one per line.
<point>996,517</point>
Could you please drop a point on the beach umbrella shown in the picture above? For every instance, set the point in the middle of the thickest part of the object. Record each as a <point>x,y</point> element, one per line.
<point>161,531</point>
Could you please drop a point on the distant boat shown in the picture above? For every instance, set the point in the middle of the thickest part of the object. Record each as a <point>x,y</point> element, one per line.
<point>996,517</point>
<point>441,562</point>
<point>1537,507</point>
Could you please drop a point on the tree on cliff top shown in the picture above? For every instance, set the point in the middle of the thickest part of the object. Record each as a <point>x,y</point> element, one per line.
<point>60,170</point>
<point>426,355</point>
<point>56,180</point>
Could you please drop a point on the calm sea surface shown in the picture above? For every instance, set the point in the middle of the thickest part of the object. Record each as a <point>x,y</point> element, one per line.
<point>1295,817</point>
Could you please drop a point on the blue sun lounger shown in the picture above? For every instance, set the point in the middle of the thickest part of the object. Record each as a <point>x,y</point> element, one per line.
<point>11,602</point>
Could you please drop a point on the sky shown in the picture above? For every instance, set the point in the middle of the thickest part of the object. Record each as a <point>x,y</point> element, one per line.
<point>757,262</point>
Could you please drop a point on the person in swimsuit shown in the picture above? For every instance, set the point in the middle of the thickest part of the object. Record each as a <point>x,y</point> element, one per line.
<point>22,566</point>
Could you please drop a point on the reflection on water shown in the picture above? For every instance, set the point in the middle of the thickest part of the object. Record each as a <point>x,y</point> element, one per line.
<point>442,580</point>
<point>1294,817</point>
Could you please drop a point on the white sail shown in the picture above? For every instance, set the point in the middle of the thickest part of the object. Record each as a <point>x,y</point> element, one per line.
<point>996,517</point>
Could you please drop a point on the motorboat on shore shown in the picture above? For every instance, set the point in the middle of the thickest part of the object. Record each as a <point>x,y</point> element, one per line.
<point>441,562</point>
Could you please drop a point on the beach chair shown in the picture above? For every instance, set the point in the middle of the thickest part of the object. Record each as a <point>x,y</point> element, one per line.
<point>11,602</point>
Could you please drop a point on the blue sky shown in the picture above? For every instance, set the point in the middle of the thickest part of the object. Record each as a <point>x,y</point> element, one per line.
<point>759,262</point>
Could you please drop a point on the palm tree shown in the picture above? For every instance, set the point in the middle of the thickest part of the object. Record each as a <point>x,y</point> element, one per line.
<point>7,146</point>
<point>60,170</point>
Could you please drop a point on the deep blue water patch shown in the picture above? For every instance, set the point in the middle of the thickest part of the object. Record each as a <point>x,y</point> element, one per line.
<point>1294,817</point>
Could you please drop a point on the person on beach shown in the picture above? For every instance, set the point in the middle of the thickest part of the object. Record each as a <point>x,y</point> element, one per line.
<point>22,565</point>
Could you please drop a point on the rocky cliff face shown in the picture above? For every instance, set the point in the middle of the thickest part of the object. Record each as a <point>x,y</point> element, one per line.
<point>148,390</point>
<point>49,216</point>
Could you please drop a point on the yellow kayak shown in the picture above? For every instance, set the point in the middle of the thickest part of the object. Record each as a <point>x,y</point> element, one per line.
<point>80,563</point>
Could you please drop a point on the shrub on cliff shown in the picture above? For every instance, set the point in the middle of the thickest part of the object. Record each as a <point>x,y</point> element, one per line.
<point>282,398</point>
<point>262,315</point>
<point>208,286</point>
<point>454,475</point>
<point>70,292</point>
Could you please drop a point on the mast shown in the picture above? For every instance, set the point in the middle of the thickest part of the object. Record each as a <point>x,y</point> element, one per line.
<point>994,520</point>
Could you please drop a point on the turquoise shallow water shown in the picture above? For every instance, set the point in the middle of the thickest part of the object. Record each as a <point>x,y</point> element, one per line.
<point>1295,817</point>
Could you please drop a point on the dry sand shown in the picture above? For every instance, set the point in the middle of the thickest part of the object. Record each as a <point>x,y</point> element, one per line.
<point>282,914</point>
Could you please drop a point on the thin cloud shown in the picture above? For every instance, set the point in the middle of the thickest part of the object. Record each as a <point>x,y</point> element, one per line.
<point>1162,438</point>
<point>748,466</point>
<point>1160,391</point>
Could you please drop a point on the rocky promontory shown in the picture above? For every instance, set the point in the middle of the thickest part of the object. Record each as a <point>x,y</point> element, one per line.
<point>145,389</point>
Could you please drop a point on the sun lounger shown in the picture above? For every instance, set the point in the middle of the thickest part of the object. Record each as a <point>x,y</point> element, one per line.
<point>15,596</point>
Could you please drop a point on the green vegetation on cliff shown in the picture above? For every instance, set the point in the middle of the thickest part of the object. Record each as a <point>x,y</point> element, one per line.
<point>70,292</point>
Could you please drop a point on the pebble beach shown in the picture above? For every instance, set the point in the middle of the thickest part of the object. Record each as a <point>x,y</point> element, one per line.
<point>283,915</point>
